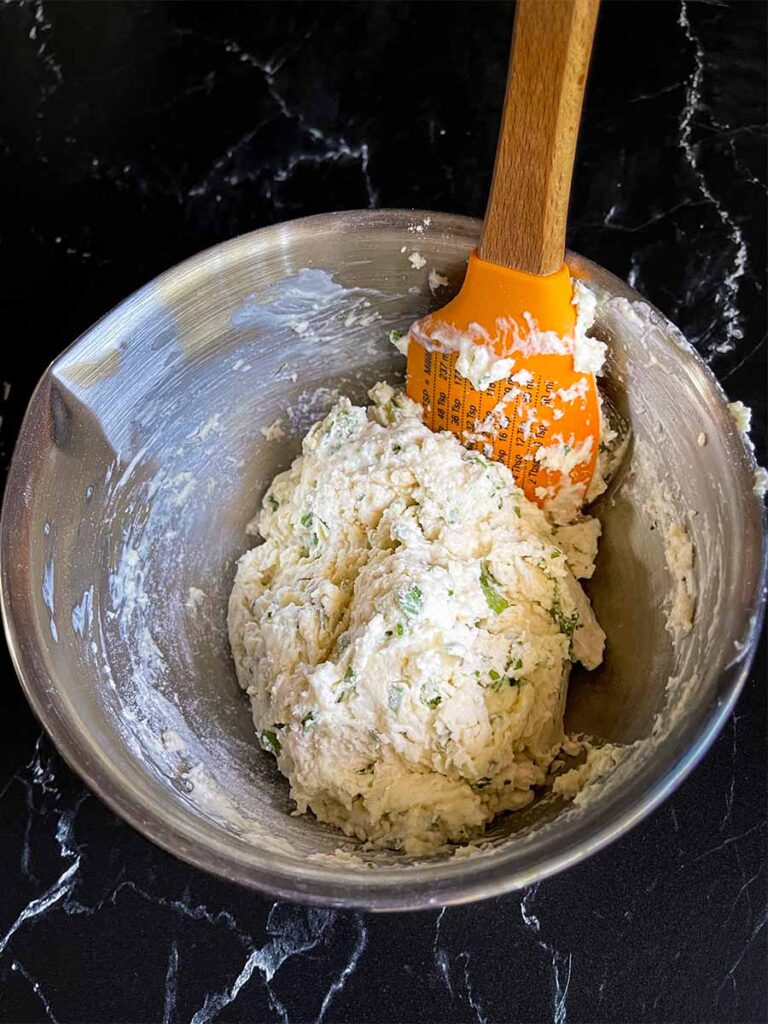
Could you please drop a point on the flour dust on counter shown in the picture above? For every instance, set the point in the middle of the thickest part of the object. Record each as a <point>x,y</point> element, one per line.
<point>406,629</point>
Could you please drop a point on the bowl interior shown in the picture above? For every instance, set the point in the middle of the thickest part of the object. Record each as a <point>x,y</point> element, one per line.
<point>146,450</point>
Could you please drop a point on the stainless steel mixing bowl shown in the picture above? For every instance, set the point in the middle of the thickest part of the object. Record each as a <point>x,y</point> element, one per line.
<point>143,455</point>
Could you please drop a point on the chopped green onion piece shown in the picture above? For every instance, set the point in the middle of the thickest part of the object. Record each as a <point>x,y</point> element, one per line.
<point>411,601</point>
<point>565,623</point>
<point>269,741</point>
<point>493,598</point>
<point>430,697</point>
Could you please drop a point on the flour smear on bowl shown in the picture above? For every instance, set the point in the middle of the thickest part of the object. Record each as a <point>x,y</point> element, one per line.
<point>501,698</point>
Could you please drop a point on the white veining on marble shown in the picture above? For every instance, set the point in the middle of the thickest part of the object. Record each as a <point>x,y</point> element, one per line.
<point>442,959</point>
<point>39,776</point>
<point>293,930</point>
<point>441,955</point>
<point>733,728</point>
<point>319,146</point>
<point>171,985</point>
<point>759,826</point>
<point>35,986</point>
<point>357,952</point>
<point>472,997</point>
<point>290,930</point>
<point>729,977</point>
<point>61,887</point>
<point>729,289</point>
<point>529,918</point>
<point>561,987</point>
<point>182,907</point>
<point>561,963</point>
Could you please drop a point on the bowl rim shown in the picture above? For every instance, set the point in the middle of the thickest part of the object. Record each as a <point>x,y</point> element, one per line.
<point>387,889</point>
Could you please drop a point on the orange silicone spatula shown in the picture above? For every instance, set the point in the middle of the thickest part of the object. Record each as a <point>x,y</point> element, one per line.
<point>541,418</point>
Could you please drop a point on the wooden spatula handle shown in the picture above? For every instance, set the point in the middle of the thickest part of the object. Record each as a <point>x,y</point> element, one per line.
<point>528,205</point>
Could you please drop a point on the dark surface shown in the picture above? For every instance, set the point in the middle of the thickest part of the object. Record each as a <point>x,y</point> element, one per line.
<point>135,135</point>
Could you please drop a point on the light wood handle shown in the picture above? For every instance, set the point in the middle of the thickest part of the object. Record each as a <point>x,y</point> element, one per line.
<point>528,206</point>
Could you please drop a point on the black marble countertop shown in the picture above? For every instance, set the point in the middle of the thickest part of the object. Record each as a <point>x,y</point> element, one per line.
<point>135,134</point>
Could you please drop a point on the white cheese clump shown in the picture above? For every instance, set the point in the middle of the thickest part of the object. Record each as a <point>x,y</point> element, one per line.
<point>406,628</point>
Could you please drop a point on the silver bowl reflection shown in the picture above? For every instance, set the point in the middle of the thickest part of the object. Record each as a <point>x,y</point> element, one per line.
<point>143,455</point>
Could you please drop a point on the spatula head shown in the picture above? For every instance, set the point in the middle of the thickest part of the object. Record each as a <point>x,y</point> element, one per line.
<point>514,336</point>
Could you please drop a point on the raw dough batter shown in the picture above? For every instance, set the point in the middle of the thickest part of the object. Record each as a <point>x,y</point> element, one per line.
<point>406,629</point>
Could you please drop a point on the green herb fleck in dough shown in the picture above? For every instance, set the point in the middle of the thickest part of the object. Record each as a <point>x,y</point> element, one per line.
<point>269,741</point>
<point>410,602</point>
<point>493,598</point>
<point>395,698</point>
<point>430,697</point>
<point>565,623</point>
<point>348,689</point>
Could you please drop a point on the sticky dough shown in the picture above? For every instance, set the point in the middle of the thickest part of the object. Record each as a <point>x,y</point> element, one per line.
<point>406,628</point>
